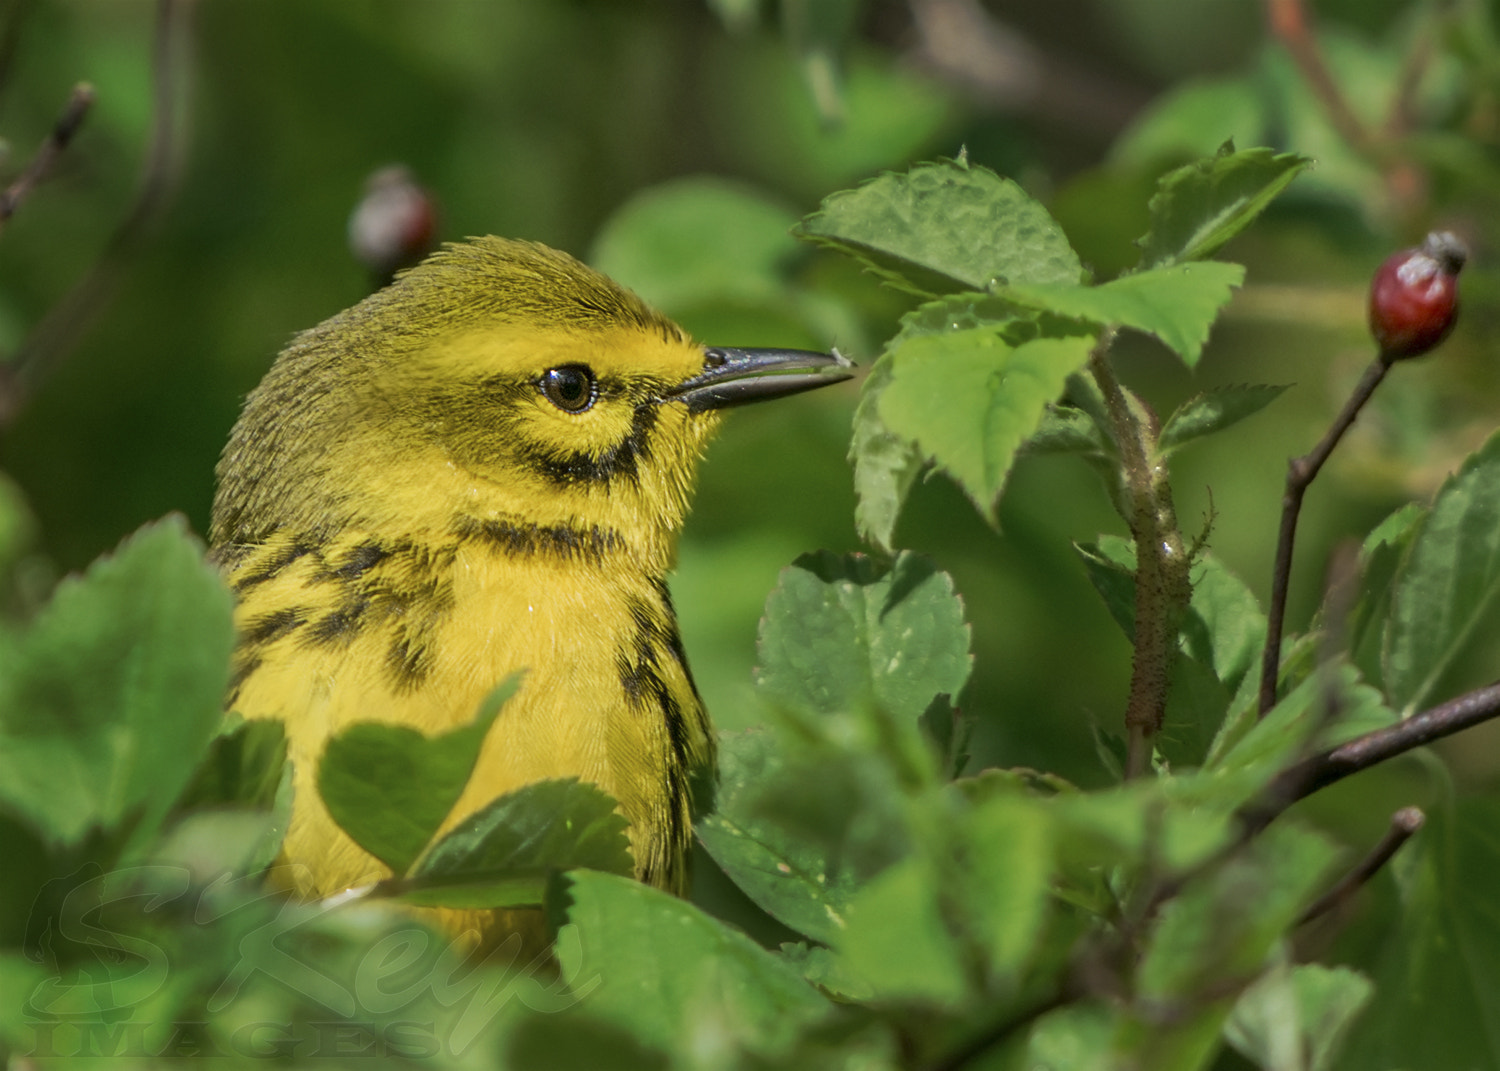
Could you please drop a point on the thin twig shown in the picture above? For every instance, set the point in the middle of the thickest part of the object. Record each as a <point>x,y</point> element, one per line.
<point>1404,826</point>
<point>67,124</point>
<point>1300,474</point>
<point>1289,24</point>
<point>60,330</point>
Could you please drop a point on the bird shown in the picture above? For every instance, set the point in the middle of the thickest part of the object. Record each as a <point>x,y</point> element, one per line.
<point>479,469</point>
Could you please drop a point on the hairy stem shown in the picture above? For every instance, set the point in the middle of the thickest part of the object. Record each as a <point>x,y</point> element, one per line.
<point>1162,588</point>
<point>1300,473</point>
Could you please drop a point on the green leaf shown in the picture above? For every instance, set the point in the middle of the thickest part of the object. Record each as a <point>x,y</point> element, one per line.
<point>1213,411</point>
<point>1380,558</point>
<point>1178,303</point>
<point>896,941</point>
<point>885,464</point>
<point>695,240</point>
<point>665,973</point>
<point>108,700</point>
<point>1005,880</point>
<point>827,970</point>
<point>1192,119</point>
<point>945,226</point>
<point>1199,207</point>
<point>793,878</point>
<point>840,635</point>
<point>390,787</point>
<point>504,854</point>
<point>1265,745</point>
<point>1065,430</point>
<point>1296,1018</point>
<point>1446,581</point>
<point>1437,985</point>
<point>969,400</point>
<point>1218,930</point>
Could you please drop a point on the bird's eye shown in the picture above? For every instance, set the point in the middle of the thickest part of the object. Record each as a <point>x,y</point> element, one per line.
<point>572,388</point>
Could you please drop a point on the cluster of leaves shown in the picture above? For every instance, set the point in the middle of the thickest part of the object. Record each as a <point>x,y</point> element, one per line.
<point>914,913</point>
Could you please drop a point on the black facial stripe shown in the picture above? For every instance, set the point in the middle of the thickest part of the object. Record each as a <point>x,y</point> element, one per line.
<point>620,460</point>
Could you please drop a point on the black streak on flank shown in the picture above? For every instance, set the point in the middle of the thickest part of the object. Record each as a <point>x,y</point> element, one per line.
<point>408,662</point>
<point>339,626</point>
<point>359,561</point>
<point>270,567</point>
<point>271,626</point>
<point>645,691</point>
<point>620,460</point>
<point>527,540</point>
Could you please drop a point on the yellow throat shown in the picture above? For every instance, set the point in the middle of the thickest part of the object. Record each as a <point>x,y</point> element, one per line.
<point>479,469</point>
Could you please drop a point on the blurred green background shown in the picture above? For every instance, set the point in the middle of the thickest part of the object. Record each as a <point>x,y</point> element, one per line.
<point>673,142</point>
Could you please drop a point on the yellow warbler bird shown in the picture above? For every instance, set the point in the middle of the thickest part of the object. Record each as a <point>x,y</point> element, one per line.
<point>479,469</point>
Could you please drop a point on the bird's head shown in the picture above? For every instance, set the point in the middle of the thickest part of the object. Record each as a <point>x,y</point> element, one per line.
<point>498,382</point>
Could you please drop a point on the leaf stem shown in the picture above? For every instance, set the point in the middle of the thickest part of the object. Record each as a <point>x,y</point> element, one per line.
<point>1300,473</point>
<point>1162,588</point>
<point>1404,825</point>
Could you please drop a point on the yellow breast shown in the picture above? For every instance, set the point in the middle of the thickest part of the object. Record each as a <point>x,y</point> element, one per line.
<point>417,634</point>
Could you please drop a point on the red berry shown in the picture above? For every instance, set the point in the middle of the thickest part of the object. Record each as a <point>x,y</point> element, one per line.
<point>1414,297</point>
<point>394,224</point>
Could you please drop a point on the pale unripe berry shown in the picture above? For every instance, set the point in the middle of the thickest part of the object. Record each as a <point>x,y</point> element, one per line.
<point>394,226</point>
<point>1414,297</point>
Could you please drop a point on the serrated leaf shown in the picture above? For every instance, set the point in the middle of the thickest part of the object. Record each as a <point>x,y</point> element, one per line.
<point>664,972</point>
<point>840,635</point>
<point>793,878</point>
<point>109,698</point>
<point>885,464</point>
<point>1199,207</point>
<point>504,854</point>
<point>969,400</point>
<point>1065,430</point>
<point>945,226</point>
<point>1213,411</point>
<point>390,787</point>
<point>1177,304</point>
<point>1446,581</point>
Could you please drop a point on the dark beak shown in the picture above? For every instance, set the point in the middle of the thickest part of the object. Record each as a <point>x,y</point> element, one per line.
<point>734,377</point>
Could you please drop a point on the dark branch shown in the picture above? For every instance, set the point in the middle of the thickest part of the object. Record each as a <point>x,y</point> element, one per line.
<point>1300,474</point>
<point>1373,748</point>
<point>79,102</point>
<point>67,321</point>
<point>1404,825</point>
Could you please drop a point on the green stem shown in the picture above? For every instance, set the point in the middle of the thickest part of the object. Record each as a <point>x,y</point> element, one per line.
<point>1162,587</point>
